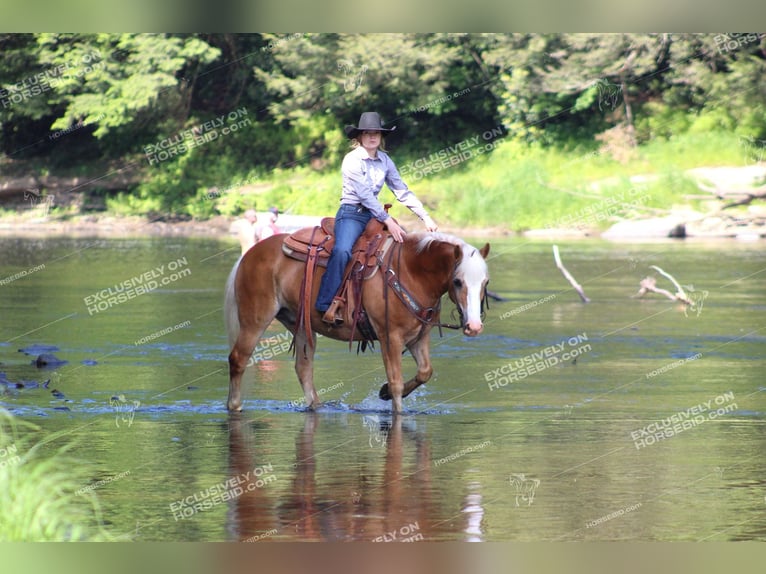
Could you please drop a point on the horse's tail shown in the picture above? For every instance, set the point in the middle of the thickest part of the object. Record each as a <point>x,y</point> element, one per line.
<point>230,313</point>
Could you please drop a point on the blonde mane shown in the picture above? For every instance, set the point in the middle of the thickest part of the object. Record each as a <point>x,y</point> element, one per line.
<point>423,239</point>
<point>472,264</point>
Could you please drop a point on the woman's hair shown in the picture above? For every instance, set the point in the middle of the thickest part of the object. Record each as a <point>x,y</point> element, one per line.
<point>357,141</point>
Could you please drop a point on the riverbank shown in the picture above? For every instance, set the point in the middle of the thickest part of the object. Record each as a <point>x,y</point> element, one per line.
<point>680,223</point>
<point>134,226</point>
<point>728,204</point>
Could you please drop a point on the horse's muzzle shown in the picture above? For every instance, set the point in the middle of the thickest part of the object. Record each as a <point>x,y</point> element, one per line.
<point>472,328</point>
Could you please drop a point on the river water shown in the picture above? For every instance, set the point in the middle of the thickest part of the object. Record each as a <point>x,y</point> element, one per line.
<point>621,419</point>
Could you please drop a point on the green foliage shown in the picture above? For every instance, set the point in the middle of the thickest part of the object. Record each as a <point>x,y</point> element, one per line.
<point>660,120</point>
<point>116,79</point>
<point>524,187</point>
<point>114,95</point>
<point>519,186</point>
<point>39,492</point>
<point>341,74</point>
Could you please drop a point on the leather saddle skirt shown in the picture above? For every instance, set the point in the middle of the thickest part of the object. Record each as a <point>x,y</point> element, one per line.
<point>298,244</point>
<point>322,238</point>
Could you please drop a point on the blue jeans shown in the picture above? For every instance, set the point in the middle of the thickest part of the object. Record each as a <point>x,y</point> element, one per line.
<point>350,222</point>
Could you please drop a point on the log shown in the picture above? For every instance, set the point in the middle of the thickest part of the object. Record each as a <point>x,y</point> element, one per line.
<point>568,275</point>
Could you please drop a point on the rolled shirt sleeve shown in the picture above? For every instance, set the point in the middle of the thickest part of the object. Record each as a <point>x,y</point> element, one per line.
<point>363,178</point>
<point>402,192</point>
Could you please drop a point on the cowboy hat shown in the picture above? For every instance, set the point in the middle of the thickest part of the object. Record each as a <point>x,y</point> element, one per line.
<point>368,121</point>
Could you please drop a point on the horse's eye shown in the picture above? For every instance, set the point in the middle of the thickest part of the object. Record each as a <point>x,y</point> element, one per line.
<point>457,283</point>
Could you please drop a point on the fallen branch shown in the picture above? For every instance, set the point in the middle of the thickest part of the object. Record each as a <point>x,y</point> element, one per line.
<point>649,284</point>
<point>568,276</point>
<point>739,196</point>
<point>749,197</point>
<point>680,293</point>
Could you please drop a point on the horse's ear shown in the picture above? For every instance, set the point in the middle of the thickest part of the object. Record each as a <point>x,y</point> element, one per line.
<point>458,253</point>
<point>484,250</point>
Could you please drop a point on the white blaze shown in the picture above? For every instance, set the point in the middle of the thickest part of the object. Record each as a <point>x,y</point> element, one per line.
<point>474,270</point>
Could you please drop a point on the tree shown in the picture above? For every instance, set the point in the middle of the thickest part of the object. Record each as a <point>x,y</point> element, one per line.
<point>554,77</point>
<point>720,78</point>
<point>107,81</point>
<point>326,81</point>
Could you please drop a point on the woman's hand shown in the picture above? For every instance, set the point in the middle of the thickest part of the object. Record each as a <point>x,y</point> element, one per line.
<point>395,229</point>
<point>430,224</point>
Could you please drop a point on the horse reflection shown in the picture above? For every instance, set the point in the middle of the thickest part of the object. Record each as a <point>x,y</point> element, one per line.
<point>394,504</point>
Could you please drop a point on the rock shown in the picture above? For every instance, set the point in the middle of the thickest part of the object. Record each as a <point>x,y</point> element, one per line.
<point>48,360</point>
<point>22,384</point>
<point>657,227</point>
<point>8,383</point>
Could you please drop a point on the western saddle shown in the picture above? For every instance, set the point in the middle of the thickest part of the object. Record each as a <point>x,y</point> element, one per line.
<point>313,245</point>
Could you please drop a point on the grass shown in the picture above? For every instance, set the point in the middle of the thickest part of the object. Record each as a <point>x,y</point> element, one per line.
<point>38,492</point>
<point>516,187</point>
<point>520,187</point>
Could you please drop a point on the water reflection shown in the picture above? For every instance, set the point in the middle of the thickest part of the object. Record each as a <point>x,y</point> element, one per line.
<point>474,513</point>
<point>387,502</point>
<point>559,454</point>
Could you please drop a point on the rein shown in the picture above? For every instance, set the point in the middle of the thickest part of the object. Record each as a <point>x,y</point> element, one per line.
<point>423,314</point>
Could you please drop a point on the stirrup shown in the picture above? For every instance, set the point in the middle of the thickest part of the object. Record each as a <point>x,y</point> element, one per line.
<point>333,314</point>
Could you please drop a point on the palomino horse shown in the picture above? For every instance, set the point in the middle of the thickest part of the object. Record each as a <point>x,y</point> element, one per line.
<point>265,284</point>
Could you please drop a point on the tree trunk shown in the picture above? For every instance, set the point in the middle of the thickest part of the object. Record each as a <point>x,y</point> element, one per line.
<point>626,70</point>
<point>631,129</point>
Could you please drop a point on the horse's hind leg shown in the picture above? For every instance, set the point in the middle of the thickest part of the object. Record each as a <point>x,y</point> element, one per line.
<point>238,359</point>
<point>304,367</point>
<point>421,353</point>
<point>238,362</point>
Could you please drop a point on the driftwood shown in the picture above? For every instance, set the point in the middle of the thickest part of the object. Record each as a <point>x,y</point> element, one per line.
<point>743,196</point>
<point>649,284</point>
<point>568,275</point>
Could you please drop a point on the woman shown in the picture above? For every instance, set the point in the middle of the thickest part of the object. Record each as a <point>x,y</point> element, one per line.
<point>365,169</point>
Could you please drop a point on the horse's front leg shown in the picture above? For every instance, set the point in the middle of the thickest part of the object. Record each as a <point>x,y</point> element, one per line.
<point>420,351</point>
<point>304,367</point>
<point>392,359</point>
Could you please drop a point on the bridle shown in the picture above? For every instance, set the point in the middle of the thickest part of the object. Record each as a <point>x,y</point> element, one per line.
<point>422,313</point>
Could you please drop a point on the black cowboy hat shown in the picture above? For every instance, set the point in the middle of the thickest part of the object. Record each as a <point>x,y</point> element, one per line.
<point>368,121</point>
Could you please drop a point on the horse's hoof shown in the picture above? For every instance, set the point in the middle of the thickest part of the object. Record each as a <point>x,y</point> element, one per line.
<point>234,408</point>
<point>384,394</point>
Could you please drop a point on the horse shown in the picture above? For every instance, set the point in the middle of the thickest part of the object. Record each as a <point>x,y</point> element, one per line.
<point>265,284</point>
